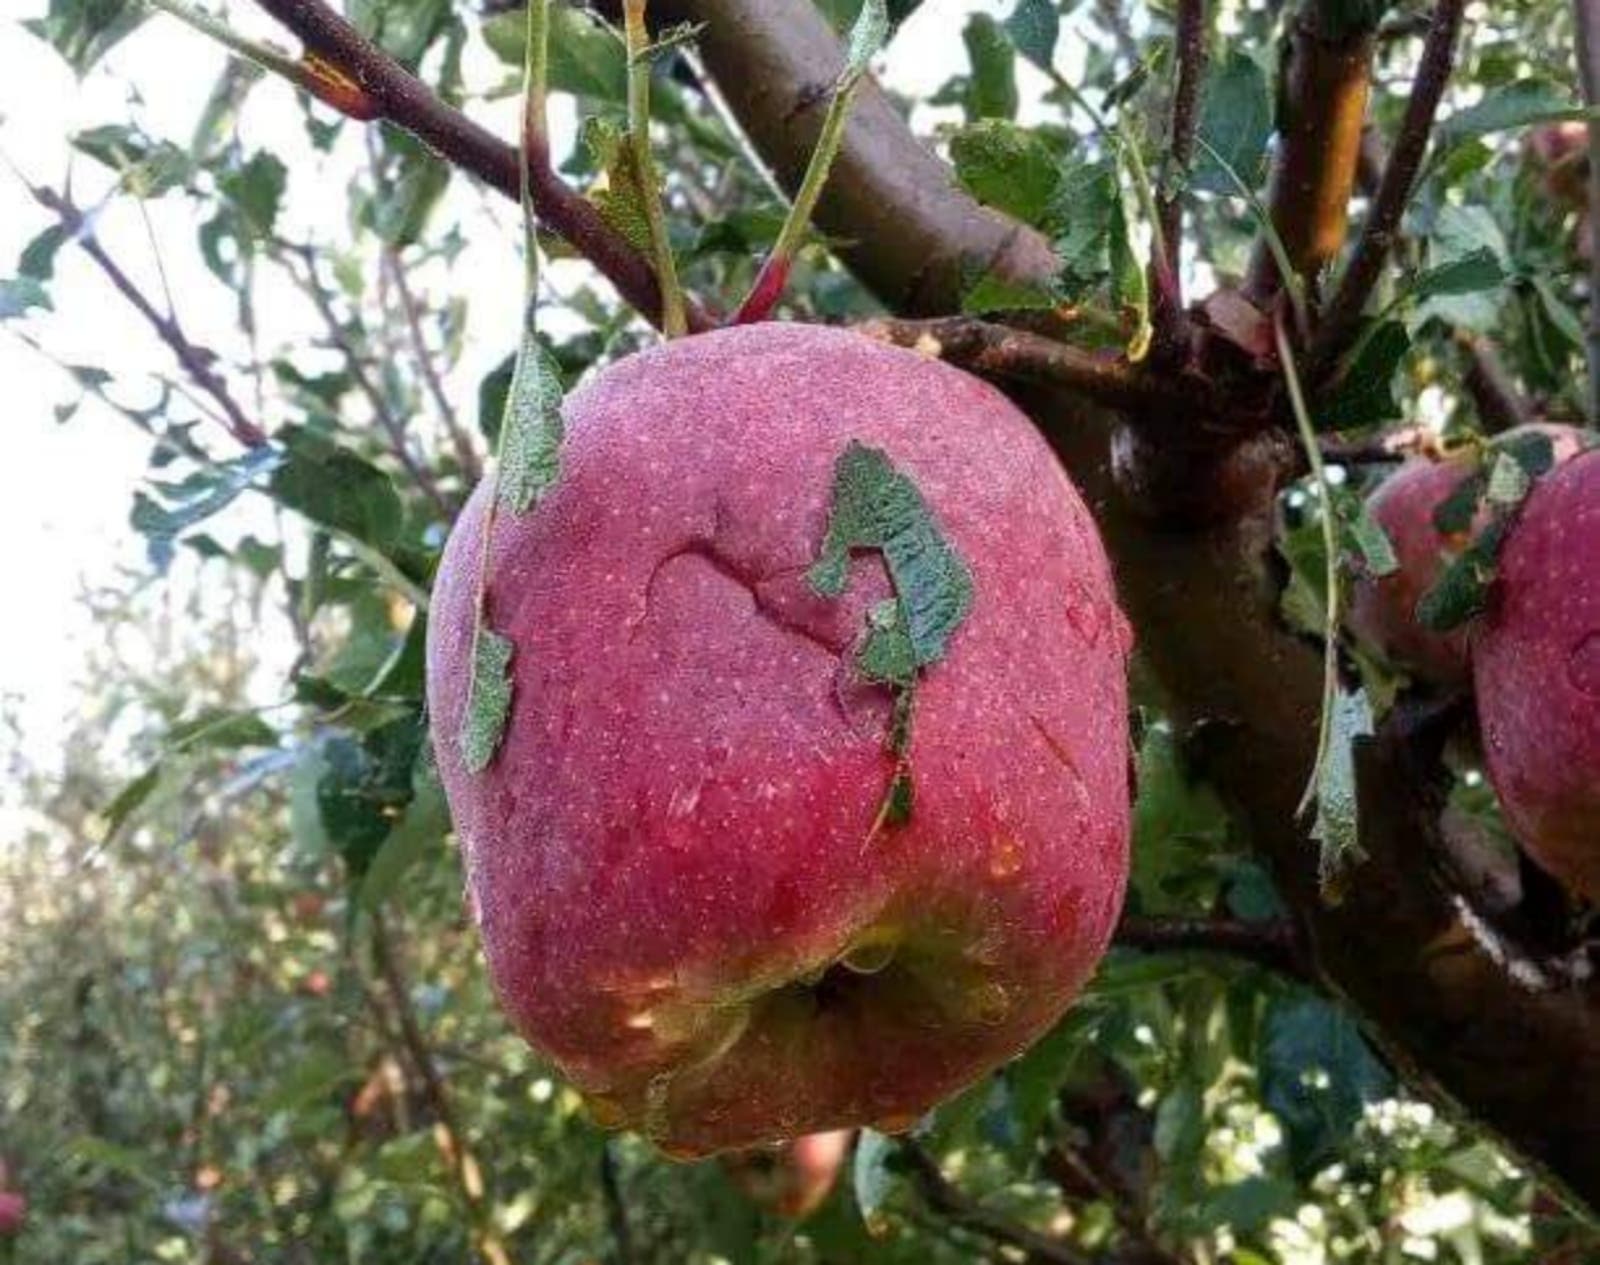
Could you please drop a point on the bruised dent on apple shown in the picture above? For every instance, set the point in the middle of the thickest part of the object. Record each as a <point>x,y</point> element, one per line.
<point>811,802</point>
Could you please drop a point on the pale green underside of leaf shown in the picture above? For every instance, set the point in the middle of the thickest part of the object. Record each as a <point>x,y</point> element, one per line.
<point>488,700</point>
<point>530,437</point>
<point>1337,820</point>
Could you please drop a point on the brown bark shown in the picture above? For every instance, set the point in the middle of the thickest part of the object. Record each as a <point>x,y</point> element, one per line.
<point>910,234</point>
<point>1322,109</point>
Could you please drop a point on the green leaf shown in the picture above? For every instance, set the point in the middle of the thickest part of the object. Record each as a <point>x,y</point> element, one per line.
<point>1453,516</point>
<point>1085,212</point>
<point>992,87</point>
<point>1364,393</point>
<point>83,31</point>
<point>488,700</point>
<point>421,827</point>
<point>874,506</point>
<point>1468,274</point>
<point>870,1177</point>
<point>130,799</point>
<point>1508,483</point>
<point>1372,542</point>
<point>364,785</point>
<point>221,730</point>
<point>1533,451</point>
<point>1007,167</point>
<point>1317,1075</point>
<point>149,168</point>
<point>176,507</point>
<point>1236,122</point>
<point>587,58</point>
<point>1034,27</point>
<point>1337,822</point>
<point>530,435</point>
<point>867,36</point>
<point>334,487</point>
<point>1462,591</point>
<point>38,259</point>
<point>991,293</point>
<point>618,193</point>
<point>1518,104</point>
<point>255,190</point>
<point>20,295</point>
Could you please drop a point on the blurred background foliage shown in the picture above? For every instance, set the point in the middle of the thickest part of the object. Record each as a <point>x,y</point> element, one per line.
<point>242,1012</point>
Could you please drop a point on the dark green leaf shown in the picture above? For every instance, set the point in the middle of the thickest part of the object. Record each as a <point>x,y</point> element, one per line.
<point>421,827</point>
<point>586,57</point>
<point>1006,167</point>
<point>874,506</point>
<point>1364,393</point>
<point>1518,104</point>
<point>992,87</point>
<point>1317,1075</point>
<point>38,258</point>
<point>1034,26</point>
<point>1462,591</point>
<point>20,295</point>
<point>83,31</point>
<point>333,486</point>
<point>1468,274</point>
<point>1235,121</point>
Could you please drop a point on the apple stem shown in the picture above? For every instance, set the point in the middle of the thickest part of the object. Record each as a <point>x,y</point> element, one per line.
<point>866,38</point>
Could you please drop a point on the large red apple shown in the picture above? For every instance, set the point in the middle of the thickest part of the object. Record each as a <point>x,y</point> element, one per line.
<point>1383,610</point>
<point>686,893</point>
<point>1537,673</point>
<point>791,1179</point>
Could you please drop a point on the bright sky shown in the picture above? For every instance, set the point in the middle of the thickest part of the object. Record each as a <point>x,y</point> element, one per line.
<point>66,489</point>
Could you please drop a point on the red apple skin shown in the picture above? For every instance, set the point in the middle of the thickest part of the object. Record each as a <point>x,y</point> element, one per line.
<point>1537,673</point>
<point>1383,610</point>
<point>793,1179</point>
<point>13,1212</point>
<point>673,850</point>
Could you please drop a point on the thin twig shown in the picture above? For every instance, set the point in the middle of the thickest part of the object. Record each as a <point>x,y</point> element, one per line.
<point>411,309</point>
<point>195,359</point>
<point>1501,406</point>
<point>393,428</point>
<point>1003,352</point>
<point>433,1086</point>
<point>616,1206</point>
<point>1586,19</point>
<point>1274,944</point>
<point>1190,42</point>
<point>954,1204</point>
<point>1343,312</point>
<point>400,98</point>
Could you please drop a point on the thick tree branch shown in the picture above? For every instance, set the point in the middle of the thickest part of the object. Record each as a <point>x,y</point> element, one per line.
<point>398,97</point>
<point>196,361</point>
<point>908,230</point>
<point>1343,313</point>
<point>1000,351</point>
<point>949,1201</point>
<point>1274,945</point>
<point>1322,105</point>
